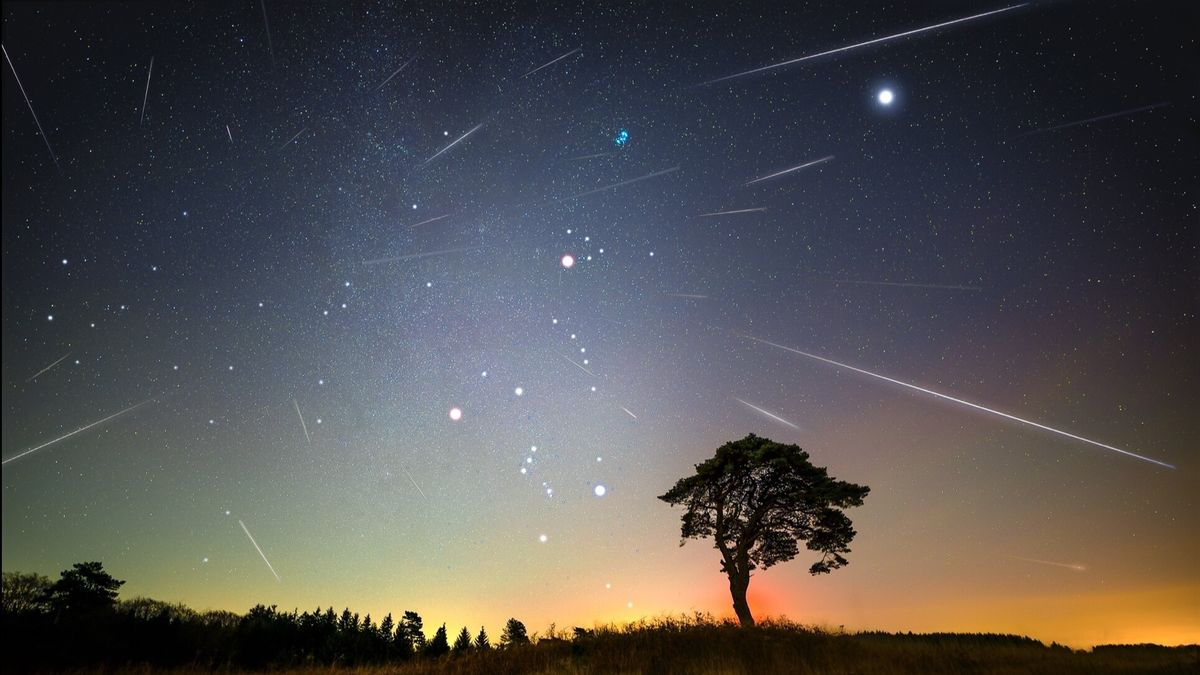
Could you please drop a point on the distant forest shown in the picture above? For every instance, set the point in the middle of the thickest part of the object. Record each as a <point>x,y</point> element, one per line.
<point>78,620</point>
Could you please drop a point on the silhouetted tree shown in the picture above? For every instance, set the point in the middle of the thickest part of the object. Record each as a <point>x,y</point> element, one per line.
<point>439,645</point>
<point>514,634</point>
<point>482,642</point>
<point>757,499</point>
<point>25,592</point>
<point>85,588</point>
<point>414,632</point>
<point>463,642</point>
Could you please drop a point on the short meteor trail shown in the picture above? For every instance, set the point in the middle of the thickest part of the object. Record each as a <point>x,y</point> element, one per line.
<point>692,296</point>
<point>456,142</point>
<point>580,367</point>
<point>302,424</point>
<point>598,154</point>
<point>35,375</point>
<point>550,63</point>
<point>146,95</point>
<point>772,415</point>
<point>267,24</point>
<point>847,48</point>
<point>426,222</point>
<point>414,256</point>
<point>31,112</point>
<point>79,430</point>
<point>1079,123</point>
<point>960,401</point>
<point>759,209</point>
<point>627,411</point>
<point>289,141</point>
<point>794,168</point>
<point>951,287</point>
<point>410,478</point>
<point>260,551</point>
<point>1072,567</point>
<point>229,132</point>
<point>626,182</point>
<point>389,77</point>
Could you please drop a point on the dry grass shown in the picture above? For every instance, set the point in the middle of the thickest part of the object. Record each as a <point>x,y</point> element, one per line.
<point>701,646</point>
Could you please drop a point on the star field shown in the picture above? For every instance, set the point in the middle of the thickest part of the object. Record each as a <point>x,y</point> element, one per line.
<point>434,299</point>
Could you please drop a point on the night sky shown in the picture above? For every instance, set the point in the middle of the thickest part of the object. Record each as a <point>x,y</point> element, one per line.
<point>301,261</point>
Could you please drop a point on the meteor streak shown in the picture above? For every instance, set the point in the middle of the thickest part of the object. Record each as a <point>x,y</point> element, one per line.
<point>573,51</point>
<point>260,551</point>
<point>414,256</point>
<point>270,46</point>
<point>31,112</point>
<point>730,213</point>
<point>456,142</point>
<point>79,430</point>
<point>410,478</point>
<point>1072,567</point>
<point>906,285</point>
<point>687,295</point>
<point>425,222</point>
<point>794,168</point>
<point>960,401</point>
<point>389,77</point>
<point>289,142</point>
<point>772,415</point>
<point>847,48</point>
<point>146,95</point>
<point>302,424</point>
<point>625,182</point>
<point>229,132</point>
<point>581,368</point>
<point>35,375</point>
<point>1079,123</point>
<point>627,411</point>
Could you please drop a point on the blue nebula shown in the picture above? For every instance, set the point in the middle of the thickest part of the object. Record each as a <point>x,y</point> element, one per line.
<point>622,138</point>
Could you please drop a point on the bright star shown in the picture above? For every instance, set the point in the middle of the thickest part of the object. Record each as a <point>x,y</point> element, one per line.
<point>600,490</point>
<point>455,414</point>
<point>568,261</point>
<point>886,97</point>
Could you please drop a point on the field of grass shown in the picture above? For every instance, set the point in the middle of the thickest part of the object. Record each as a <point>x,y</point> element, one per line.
<point>706,647</point>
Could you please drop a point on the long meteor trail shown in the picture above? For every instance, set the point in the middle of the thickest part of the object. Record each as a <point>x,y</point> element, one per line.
<point>960,401</point>
<point>758,209</point>
<point>581,368</point>
<point>77,431</point>
<point>146,95</point>
<point>414,482</point>
<point>785,171</point>
<point>952,287</point>
<point>426,222</point>
<point>414,256</point>
<point>456,142</point>
<point>1079,123</point>
<point>628,412</point>
<point>31,112</point>
<point>1073,567</point>
<point>886,38</point>
<point>260,551</point>
<point>768,413</point>
<point>35,375</point>
<point>302,424</point>
<point>626,182</point>
<point>389,77</point>
<point>289,141</point>
<point>550,63</point>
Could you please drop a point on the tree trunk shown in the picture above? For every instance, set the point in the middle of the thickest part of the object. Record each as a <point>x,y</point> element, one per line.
<point>738,583</point>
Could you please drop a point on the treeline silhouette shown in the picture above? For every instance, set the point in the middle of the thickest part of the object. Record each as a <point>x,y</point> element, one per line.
<point>78,624</point>
<point>78,620</point>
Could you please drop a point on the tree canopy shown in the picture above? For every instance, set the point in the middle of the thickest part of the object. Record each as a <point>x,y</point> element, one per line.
<point>758,499</point>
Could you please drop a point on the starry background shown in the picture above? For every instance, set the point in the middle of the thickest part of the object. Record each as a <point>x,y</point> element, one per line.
<point>224,253</point>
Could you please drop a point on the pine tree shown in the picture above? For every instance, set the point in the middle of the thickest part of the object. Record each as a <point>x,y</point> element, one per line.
<point>439,645</point>
<point>386,627</point>
<point>414,631</point>
<point>463,642</point>
<point>514,634</point>
<point>482,643</point>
